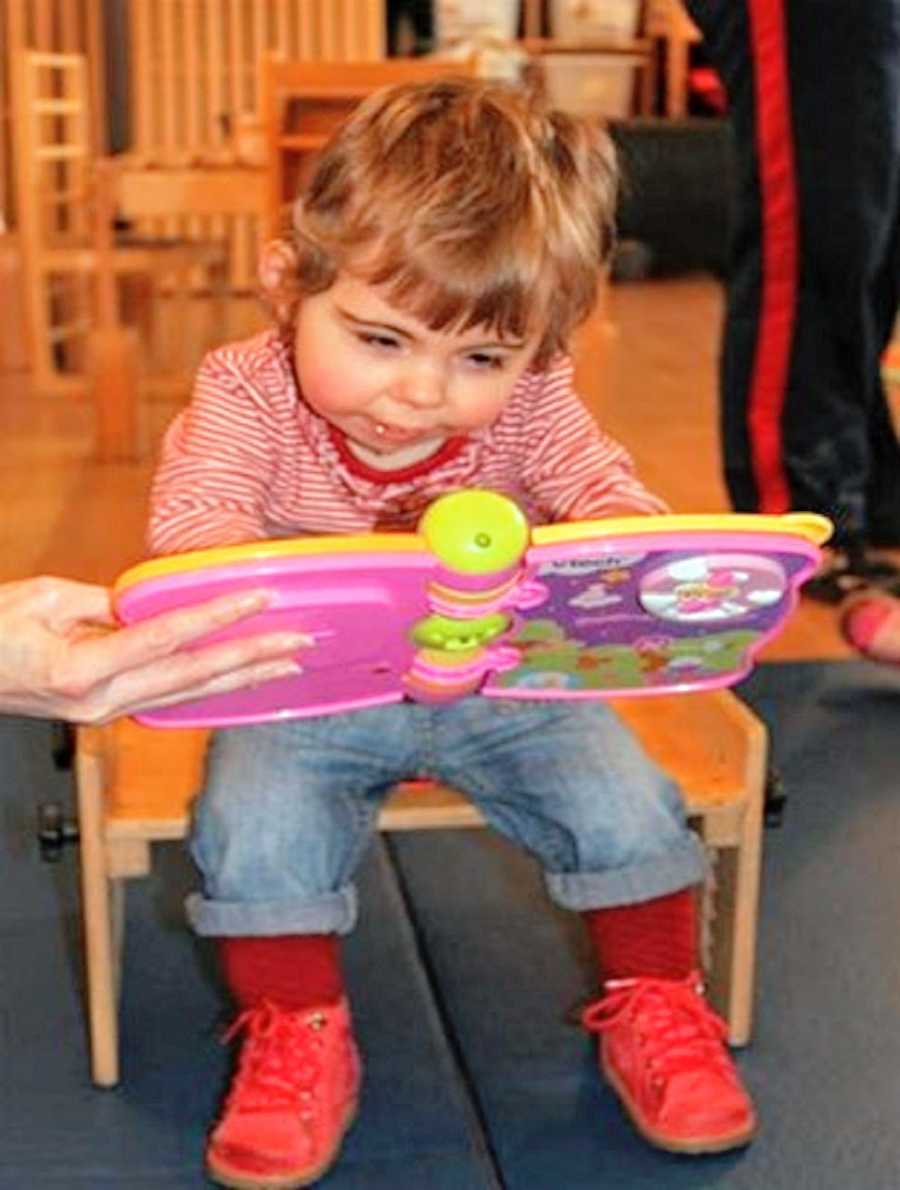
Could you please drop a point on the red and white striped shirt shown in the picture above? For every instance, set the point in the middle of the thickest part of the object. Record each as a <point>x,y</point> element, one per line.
<point>249,460</point>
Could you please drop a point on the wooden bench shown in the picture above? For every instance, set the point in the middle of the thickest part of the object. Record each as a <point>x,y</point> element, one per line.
<point>135,786</point>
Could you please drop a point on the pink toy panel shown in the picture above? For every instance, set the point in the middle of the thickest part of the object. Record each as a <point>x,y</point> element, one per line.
<point>634,615</point>
<point>350,606</point>
<point>634,606</point>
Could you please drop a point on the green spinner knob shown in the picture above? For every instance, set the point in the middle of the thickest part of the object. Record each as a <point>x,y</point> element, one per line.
<point>447,635</point>
<point>475,532</point>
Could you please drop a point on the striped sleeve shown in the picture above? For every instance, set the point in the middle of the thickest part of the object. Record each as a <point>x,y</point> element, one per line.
<point>574,469</point>
<point>217,461</point>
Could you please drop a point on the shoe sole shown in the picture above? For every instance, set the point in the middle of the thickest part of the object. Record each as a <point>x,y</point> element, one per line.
<point>695,1146</point>
<point>233,1180</point>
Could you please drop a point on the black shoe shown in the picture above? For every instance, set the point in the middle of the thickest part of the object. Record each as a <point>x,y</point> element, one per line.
<point>885,537</point>
<point>849,572</point>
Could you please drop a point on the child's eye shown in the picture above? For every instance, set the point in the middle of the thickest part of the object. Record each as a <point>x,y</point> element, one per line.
<point>373,339</point>
<point>481,359</point>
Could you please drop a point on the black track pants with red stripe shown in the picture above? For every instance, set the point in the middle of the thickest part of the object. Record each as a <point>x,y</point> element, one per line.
<point>814,95</point>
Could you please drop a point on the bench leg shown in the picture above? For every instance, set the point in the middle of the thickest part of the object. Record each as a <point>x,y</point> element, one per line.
<point>748,863</point>
<point>729,921</point>
<point>102,915</point>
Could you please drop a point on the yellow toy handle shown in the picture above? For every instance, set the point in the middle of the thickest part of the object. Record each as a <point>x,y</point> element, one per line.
<point>808,525</point>
<point>811,525</point>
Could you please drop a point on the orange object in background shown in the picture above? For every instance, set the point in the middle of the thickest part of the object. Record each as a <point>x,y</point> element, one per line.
<point>13,344</point>
<point>890,362</point>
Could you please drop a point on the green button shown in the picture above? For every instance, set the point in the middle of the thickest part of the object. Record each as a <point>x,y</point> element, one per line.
<point>456,636</point>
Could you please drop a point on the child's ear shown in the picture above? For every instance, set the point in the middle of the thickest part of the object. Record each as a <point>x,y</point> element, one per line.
<point>278,264</point>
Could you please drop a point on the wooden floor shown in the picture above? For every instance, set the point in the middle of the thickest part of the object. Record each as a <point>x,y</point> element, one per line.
<point>649,375</point>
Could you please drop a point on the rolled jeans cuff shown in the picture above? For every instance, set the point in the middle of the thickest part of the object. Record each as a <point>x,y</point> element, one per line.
<point>333,913</point>
<point>681,867</point>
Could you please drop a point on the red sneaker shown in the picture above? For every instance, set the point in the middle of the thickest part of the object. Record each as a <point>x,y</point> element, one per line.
<point>870,621</point>
<point>662,1048</point>
<point>291,1101</point>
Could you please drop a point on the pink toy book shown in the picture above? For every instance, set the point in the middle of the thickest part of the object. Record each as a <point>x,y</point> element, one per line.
<point>478,601</point>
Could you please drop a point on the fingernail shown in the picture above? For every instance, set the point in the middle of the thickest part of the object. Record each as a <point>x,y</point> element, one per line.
<point>278,669</point>
<point>250,601</point>
<point>289,641</point>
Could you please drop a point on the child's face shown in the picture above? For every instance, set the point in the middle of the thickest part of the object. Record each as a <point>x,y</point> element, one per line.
<point>390,383</point>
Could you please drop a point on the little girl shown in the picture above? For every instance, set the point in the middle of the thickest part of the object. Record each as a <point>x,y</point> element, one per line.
<point>450,239</point>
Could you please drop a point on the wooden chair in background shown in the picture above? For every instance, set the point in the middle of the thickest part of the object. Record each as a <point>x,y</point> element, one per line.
<point>196,304</point>
<point>135,785</point>
<point>73,260</point>
<point>53,155</point>
<point>52,26</point>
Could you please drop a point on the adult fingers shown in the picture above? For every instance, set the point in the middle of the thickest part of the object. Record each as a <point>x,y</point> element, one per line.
<point>186,676</point>
<point>106,655</point>
<point>247,676</point>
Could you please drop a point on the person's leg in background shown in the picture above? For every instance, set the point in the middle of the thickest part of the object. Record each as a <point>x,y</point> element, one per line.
<point>814,95</point>
<point>841,451</point>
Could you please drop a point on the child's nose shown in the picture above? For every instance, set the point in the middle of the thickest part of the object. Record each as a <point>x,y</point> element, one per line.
<point>422,388</point>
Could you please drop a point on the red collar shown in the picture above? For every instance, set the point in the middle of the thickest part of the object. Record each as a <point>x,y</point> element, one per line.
<point>446,451</point>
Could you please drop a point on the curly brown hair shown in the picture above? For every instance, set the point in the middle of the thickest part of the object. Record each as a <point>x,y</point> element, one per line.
<point>469,201</point>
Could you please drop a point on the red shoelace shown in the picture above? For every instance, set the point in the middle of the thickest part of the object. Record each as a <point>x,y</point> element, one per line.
<point>281,1058</point>
<point>677,1029</point>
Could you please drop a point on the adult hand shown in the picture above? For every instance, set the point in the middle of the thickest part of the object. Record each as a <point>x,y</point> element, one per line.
<point>62,655</point>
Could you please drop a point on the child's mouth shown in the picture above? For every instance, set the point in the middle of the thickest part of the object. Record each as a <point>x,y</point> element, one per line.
<point>389,435</point>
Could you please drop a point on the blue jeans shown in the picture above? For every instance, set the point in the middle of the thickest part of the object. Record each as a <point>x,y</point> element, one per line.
<point>289,808</point>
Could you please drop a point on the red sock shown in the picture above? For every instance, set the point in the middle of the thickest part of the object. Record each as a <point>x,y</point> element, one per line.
<point>294,971</point>
<point>655,938</point>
